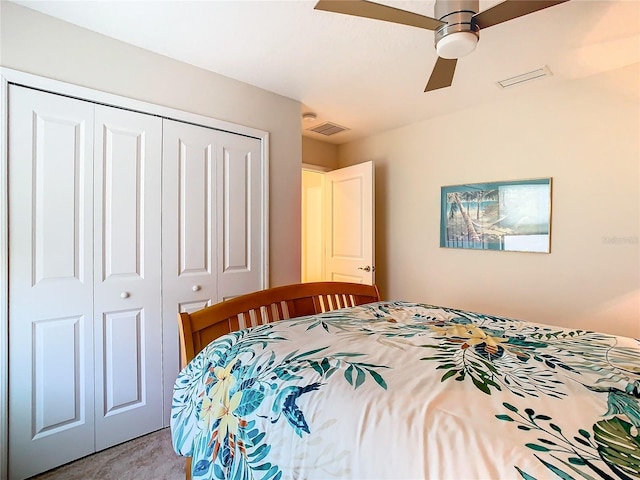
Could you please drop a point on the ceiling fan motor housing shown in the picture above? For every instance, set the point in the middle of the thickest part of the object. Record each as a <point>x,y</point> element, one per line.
<point>459,35</point>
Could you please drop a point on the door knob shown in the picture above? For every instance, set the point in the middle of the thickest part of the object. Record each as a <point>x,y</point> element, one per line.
<point>366,269</point>
<point>124,295</point>
<point>195,288</point>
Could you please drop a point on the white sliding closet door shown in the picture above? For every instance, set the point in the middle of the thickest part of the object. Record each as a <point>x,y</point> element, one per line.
<point>118,220</point>
<point>189,233</point>
<point>51,370</point>
<point>85,301</point>
<point>213,225</point>
<point>241,216</point>
<point>127,275</point>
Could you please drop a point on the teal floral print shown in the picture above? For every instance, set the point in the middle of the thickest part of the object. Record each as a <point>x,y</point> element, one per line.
<point>311,397</point>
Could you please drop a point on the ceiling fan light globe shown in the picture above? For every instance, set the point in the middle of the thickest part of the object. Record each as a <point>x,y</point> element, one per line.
<point>457,44</point>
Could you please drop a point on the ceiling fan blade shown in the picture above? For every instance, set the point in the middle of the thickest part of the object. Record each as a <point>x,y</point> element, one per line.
<point>363,8</point>
<point>442,75</point>
<point>510,9</point>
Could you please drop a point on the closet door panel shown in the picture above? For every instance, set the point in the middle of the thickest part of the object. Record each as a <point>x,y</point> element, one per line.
<point>188,209</point>
<point>127,275</point>
<point>241,249</point>
<point>50,282</point>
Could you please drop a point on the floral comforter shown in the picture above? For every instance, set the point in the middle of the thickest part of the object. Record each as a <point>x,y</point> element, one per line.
<point>398,390</point>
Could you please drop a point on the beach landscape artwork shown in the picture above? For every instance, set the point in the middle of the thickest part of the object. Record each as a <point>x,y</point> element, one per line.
<point>509,215</point>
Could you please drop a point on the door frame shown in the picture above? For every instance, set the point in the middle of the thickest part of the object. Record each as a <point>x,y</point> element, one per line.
<point>10,76</point>
<point>325,214</point>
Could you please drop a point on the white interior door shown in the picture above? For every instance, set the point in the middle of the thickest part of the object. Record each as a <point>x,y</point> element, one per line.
<point>51,370</point>
<point>127,275</point>
<point>189,234</point>
<point>349,227</point>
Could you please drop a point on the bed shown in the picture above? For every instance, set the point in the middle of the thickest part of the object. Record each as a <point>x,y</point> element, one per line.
<point>402,390</point>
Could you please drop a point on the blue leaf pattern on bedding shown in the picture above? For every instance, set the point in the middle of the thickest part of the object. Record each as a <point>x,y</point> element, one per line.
<point>566,400</point>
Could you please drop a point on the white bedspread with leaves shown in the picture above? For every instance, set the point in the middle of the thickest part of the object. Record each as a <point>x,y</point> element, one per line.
<point>398,390</point>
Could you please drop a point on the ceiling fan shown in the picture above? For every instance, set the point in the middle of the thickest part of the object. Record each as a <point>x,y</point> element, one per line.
<point>456,29</point>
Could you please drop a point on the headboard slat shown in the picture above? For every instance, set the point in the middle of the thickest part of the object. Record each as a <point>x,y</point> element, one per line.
<point>200,328</point>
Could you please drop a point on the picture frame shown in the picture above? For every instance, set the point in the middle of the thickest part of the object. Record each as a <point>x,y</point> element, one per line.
<point>505,215</point>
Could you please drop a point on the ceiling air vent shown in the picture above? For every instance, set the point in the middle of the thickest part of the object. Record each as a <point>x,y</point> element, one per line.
<point>327,129</point>
<point>525,77</point>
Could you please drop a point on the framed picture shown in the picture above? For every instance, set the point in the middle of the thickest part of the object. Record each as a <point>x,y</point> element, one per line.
<point>512,215</point>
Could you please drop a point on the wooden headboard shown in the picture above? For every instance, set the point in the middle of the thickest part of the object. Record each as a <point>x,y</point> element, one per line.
<point>199,328</point>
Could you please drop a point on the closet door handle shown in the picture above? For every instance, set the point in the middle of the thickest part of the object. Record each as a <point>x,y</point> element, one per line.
<point>124,295</point>
<point>195,288</point>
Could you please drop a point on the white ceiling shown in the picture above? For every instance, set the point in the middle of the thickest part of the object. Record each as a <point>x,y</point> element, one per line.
<point>363,74</point>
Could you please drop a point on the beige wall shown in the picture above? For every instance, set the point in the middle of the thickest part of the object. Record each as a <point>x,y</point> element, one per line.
<point>585,134</point>
<point>316,152</point>
<point>39,44</point>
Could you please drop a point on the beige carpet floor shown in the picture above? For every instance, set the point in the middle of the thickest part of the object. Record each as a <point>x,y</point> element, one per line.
<point>146,458</point>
